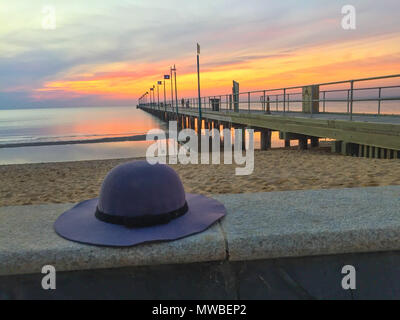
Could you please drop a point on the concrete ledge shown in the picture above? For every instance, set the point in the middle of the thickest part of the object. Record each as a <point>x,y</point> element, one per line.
<point>258,226</point>
<point>28,241</point>
<point>312,222</point>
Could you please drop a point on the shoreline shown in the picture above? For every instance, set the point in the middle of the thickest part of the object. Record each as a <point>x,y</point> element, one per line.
<point>323,145</point>
<point>278,169</point>
<point>141,137</point>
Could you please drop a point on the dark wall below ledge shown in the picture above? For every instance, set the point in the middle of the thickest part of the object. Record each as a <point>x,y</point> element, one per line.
<point>318,277</point>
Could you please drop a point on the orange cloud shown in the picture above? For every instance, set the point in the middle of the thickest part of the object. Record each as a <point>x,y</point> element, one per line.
<point>323,63</point>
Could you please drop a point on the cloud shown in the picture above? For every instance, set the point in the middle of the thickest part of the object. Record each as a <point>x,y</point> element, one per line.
<point>138,41</point>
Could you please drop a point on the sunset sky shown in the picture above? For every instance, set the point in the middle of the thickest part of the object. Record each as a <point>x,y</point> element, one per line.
<point>104,52</point>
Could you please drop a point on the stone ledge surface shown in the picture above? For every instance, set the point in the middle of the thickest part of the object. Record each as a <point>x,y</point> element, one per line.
<point>28,241</point>
<point>258,226</point>
<point>312,222</point>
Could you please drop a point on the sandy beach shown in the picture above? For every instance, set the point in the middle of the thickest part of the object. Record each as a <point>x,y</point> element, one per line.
<point>275,170</point>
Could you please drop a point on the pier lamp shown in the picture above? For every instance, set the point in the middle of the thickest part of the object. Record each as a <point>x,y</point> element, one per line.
<point>172,90</point>
<point>158,93</point>
<point>154,96</point>
<point>151,99</point>
<point>166,77</point>
<point>176,89</point>
<point>198,80</point>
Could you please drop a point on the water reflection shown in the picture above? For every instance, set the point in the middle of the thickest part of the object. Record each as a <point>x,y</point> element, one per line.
<point>79,152</point>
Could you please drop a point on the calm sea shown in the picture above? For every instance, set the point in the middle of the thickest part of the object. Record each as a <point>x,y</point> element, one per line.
<point>83,123</point>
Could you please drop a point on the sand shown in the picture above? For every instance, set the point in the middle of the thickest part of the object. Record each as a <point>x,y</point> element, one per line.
<point>275,170</point>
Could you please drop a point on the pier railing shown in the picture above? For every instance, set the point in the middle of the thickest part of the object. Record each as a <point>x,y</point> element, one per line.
<point>357,96</point>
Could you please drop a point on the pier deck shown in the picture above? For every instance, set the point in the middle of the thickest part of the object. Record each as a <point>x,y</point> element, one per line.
<point>364,135</point>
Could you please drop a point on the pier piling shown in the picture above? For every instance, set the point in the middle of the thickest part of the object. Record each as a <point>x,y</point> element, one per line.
<point>265,139</point>
<point>303,143</point>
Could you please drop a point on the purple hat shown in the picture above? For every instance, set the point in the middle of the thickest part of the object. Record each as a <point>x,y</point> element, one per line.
<point>138,203</point>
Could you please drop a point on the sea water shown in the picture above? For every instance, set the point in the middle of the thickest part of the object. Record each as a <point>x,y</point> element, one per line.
<point>79,123</point>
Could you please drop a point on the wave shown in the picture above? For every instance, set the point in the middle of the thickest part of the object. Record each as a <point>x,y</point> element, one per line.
<point>104,139</point>
<point>13,139</point>
<point>140,137</point>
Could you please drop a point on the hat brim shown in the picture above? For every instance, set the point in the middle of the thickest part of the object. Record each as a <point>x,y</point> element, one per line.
<point>80,224</point>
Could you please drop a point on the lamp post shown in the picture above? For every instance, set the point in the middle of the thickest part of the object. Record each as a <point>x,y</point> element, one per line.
<point>198,79</point>
<point>154,94</point>
<point>151,97</point>
<point>172,90</point>
<point>143,99</point>
<point>176,90</point>
<point>166,77</point>
<point>158,93</point>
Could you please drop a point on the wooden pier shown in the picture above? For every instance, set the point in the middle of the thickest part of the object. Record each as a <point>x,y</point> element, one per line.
<point>364,135</point>
<point>373,134</point>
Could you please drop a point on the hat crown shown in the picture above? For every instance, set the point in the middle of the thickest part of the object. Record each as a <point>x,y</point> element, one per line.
<point>137,188</point>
